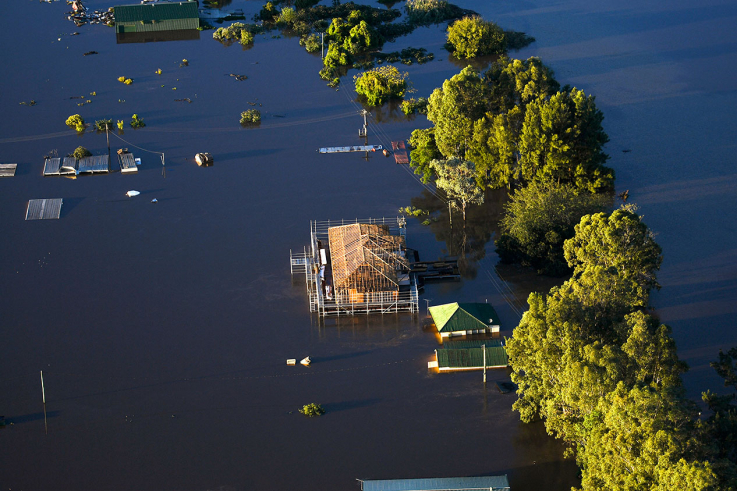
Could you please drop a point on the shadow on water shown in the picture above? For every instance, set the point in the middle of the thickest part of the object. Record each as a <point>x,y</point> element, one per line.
<point>466,240</point>
<point>334,407</point>
<point>69,205</point>
<point>345,356</point>
<point>30,418</point>
<point>224,157</point>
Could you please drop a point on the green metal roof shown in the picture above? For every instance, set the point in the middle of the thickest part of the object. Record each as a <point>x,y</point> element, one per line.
<point>463,316</point>
<point>495,483</point>
<point>156,12</point>
<point>496,356</point>
<point>475,343</point>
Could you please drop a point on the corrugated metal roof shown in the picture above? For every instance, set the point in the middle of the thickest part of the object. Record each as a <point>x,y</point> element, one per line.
<point>496,356</point>
<point>159,11</point>
<point>495,483</point>
<point>463,316</point>
<point>476,343</point>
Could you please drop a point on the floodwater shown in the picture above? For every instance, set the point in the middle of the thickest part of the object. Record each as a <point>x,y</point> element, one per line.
<point>163,328</point>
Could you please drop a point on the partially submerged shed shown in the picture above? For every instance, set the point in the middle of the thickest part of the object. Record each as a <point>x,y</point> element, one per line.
<point>478,483</point>
<point>158,16</point>
<point>451,360</point>
<point>459,319</point>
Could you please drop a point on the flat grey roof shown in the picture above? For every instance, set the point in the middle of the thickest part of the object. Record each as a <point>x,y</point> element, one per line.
<point>43,209</point>
<point>493,483</point>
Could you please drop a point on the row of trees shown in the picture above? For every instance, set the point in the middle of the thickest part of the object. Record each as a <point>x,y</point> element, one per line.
<point>517,126</point>
<point>603,373</point>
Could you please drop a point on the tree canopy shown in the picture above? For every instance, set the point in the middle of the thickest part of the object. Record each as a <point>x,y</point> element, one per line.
<point>381,84</point>
<point>457,178</point>
<point>539,218</point>
<point>472,36</point>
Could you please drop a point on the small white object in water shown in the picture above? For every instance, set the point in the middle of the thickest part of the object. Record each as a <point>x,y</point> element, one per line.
<point>154,200</point>
<point>132,193</point>
<point>306,361</point>
<point>292,361</point>
<point>137,161</point>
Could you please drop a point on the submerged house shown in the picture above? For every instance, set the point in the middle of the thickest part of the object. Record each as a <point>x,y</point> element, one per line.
<point>367,262</point>
<point>459,319</point>
<point>357,267</point>
<point>478,483</point>
<point>157,17</point>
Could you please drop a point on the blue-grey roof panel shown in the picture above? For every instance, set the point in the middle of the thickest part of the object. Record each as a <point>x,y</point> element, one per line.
<point>495,483</point>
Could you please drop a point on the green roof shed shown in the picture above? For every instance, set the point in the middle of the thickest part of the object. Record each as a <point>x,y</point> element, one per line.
<point>471,358</point>
<point>464,318</point>
<point>158,16</point>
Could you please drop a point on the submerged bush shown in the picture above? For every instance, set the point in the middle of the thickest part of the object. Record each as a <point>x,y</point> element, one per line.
<point>250,116</point>
<point>381,84</point>
<point>75,121</point>
<point>311,410</point>
<point>237,31</point>
<point>268,13</point>
<point>103,124</point>
<point>81,152</point>
<point>413,105</point>
<point>472,36</point>
<point>425,12</point>
<point>137,122</point>
<point>311,43</point>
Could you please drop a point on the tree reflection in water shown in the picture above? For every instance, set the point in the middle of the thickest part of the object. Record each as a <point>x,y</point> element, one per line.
<point>468,240</point>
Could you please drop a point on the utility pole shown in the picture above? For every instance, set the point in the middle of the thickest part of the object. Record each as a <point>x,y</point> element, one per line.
<point>483,347</point>
<point>363,132</point>
<point>107,136</point>
<point>43,399</point>
<point>427,305</point>
<point>322,45</point>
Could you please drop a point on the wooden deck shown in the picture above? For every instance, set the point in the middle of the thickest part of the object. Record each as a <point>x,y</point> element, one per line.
<point>7,170</point>
<point>400,152</point>
<point>96,164</point>
<point>51,166</point>
<point>355,148</point>
<point>127,163</point>
<point>43,209</point>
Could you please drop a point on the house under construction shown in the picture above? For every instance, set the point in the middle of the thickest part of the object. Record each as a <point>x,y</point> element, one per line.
<point>357,267</point>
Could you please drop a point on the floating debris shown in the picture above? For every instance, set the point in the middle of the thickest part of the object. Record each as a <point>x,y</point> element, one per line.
<point>32,103</point>
<point>156,201</point>
<point>91,53</point>
<point>186,99</point>
<point>204,159</point>
<point>239,78</point>
<point>306,361</point>
<point>132,193</point>
<point>292,361</point>
<point>81,16</point>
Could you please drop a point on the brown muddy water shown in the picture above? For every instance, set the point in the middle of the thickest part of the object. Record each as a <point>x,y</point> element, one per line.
<point>162,329</point>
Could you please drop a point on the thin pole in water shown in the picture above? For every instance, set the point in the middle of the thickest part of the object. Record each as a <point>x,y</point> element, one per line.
<point>483,347</point>
<point>322,45</point>
<point>43,399</point>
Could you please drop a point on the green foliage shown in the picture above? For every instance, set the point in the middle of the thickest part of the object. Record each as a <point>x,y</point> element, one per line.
<point>104,124</point>
<point>381,84</point>
<point>121,124</point>
<point>617,242</point>
<point>81,152</point>
<point>360,38</point>
<point>413,211</point>
<point>426,12</point>
<point>412,106</point>
<point>311,410</point>
<point>472,36</point>
<point>424,150</point>
<point>311,43</point>
<point>137,122</point>
<point>287,17</point>
<point>458,179</point>
<point>250,116</point>
<point>562,139</point>
<point>75,121</point>
<point>537,221</point>
<point>305,4</point>
<point>237,31</point>
<point>407,56</point>
<point>454,108</point>
<point>268,13</point>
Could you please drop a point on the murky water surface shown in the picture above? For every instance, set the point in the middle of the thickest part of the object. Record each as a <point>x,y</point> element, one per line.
<point>162,329</point>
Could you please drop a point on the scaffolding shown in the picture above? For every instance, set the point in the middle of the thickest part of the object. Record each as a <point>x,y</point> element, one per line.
<point>357,267</point>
